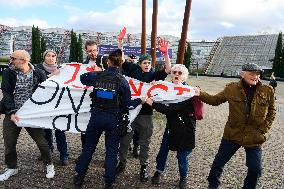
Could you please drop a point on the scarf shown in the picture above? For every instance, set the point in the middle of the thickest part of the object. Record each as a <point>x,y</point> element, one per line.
<point>50,68</point>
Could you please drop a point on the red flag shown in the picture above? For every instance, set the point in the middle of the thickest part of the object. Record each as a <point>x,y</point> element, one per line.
<point>122,33</point>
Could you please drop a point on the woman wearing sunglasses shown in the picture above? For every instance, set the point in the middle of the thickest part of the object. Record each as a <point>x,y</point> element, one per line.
<point>179,133</point>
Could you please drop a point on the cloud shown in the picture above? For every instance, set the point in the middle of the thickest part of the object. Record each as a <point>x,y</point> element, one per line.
<point>208,20</point>
<point>27,22</point>
<point>24,3</point>
<point>128,14</point>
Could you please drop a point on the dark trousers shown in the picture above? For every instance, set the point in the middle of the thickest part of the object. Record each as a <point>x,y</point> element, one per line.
<point>11,133</point>
<point>60,141</point>
<point>226,150</point>
<point>135,138</point>
<point>100,121</point>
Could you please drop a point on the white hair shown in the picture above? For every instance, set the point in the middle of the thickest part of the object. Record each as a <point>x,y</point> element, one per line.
<point>178,67</point>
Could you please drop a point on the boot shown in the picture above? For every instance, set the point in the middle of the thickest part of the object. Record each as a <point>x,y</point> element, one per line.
<point>183,183</point>
<point>120,168</point>
<point>78,181</point>
<point>109,185</point>
<point>144,173</point>
<point>156,179</point>
<point>135,151</point>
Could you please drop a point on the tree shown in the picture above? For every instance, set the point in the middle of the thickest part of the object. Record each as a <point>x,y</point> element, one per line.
<point>80,49</point>
<point>36,46</point>
<point>42,47</point>
<point>187,56</point>
<point>73,48</point>
<point>278,56</point>
<point>281,63</point>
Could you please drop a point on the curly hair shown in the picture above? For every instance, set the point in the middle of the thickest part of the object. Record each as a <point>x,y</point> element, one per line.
<point>182,68</point>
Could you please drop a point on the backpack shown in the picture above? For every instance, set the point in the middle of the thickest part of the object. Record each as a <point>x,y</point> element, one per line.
<point>198,107</point>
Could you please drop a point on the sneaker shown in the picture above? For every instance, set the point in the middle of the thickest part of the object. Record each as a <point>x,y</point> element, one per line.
<point>120,168</point>
<point>144,176</point>
<point>78,181</point>
<point>50,171</point>
<point>109,185</point>
<point>8,173</point>
<point>156,179</point>
<point>183,183</point>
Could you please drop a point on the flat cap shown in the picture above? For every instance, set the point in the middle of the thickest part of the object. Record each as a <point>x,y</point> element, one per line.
<point>251,67</point>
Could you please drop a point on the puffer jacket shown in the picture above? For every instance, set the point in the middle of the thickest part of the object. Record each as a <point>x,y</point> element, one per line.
<point>180,122</point>
<point>245,127</point>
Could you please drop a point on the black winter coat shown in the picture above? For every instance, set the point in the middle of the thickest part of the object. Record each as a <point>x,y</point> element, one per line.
<point>181,124</point>
<point>8,84</point>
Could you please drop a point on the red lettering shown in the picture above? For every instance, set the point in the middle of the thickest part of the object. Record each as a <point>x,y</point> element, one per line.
<point>137,92</point>
<point>90,69</point>
<point>159,86</point>
<point>77,68</point>
<point>181,90</point>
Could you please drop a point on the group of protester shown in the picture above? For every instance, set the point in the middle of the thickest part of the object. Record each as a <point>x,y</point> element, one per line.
<point>251,113</point>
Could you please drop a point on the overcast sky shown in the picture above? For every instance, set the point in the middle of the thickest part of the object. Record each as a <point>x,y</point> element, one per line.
<point>209,19</point>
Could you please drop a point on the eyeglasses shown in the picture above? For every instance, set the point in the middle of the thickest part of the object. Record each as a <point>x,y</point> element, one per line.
<point>177,72</point>
<point>14,58</point>
<point>91,51</point>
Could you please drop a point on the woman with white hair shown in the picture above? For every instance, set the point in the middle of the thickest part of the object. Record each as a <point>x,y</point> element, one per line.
<point>50,67</point>
<point>179,134</point>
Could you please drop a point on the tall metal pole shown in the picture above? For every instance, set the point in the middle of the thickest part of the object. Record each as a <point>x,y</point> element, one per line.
<point>182,42</point>
<point>143,34</point>
<point>154,32</point>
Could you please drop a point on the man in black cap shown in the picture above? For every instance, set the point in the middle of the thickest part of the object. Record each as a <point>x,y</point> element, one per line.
<point>132,58</point>
<point>251,113</point>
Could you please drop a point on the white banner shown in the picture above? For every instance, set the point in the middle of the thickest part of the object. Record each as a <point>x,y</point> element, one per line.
<point>63,102</point>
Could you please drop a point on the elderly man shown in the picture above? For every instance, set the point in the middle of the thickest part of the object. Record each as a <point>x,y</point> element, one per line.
<point>251,113</point>
<point>19,82</point>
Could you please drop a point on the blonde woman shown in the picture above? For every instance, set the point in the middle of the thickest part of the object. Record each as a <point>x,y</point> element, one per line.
<point>179,133</point>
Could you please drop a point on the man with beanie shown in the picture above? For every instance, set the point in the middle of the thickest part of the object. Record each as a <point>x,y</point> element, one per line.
<point>251,113</point>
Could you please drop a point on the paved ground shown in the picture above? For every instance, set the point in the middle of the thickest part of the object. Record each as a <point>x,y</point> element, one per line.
<point>208,136</point>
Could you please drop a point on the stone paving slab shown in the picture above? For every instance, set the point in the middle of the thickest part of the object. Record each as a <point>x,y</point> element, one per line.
<point>208,135</point>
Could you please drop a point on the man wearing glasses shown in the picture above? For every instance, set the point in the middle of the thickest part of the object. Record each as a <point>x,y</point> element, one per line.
<point>95,60</point>
<point>19,82</point>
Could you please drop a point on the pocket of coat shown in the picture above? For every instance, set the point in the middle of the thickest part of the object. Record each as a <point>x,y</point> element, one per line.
<point>259,138</point>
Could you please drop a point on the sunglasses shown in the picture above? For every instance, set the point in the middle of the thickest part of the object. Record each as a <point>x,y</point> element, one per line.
<point>177,72</point>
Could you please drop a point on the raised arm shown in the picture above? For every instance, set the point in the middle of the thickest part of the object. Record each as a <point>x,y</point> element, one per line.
<point>163,47</point>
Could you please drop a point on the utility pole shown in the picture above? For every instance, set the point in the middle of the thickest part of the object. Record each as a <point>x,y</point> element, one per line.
<point>143,34</point>
<point>154,32</point>
<point>182,42</point>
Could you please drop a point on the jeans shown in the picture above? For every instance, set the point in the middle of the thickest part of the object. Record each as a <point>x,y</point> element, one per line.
<point>226,150</point>
<point>98,123</point>
<point>182,156</point>
<point>60,141</point>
